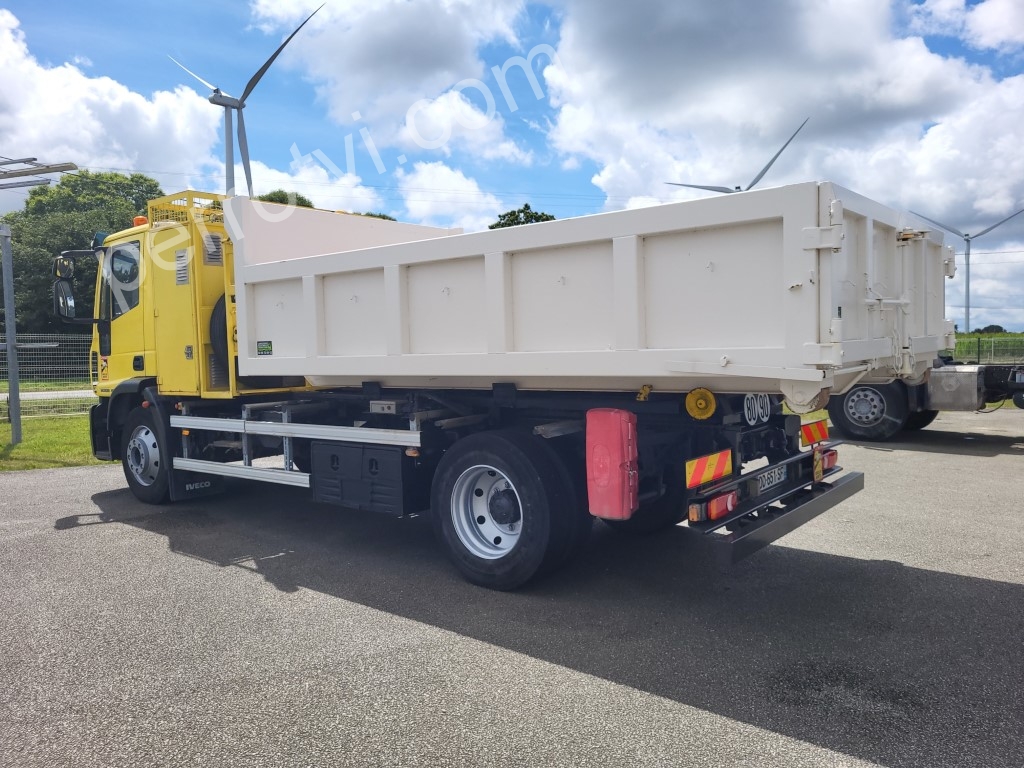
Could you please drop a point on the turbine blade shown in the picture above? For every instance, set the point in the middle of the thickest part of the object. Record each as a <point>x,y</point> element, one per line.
<point>243,150</point>
<point>726,190</point>
<point>197,77</point>
<point>986,231</point>
<point>266,65</point>
<point>776,157</point>
<point>940,225</point>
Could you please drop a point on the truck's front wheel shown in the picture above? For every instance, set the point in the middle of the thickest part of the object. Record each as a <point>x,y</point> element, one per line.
<point>501,506</point>
<point>870,412</point>
<point>144,457</point>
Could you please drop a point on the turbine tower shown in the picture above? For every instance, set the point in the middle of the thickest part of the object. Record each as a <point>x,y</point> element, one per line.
<point>230,103</point>
<point>757,178</point>
<point>967,257</point>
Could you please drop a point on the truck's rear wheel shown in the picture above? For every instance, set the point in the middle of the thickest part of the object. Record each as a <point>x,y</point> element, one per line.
<point>501,507</point>
<point>920,420</point>
<point>145,458</point>
<point>870,412</point>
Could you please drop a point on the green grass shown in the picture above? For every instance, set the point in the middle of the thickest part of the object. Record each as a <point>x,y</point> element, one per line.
<point>46,386</point>
<point>47,443</point>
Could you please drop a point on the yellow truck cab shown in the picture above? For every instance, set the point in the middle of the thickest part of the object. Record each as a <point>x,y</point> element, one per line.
<point>164,304</point>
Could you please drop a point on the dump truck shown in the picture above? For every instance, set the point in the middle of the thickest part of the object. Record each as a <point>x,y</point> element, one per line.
<point>514,384</point>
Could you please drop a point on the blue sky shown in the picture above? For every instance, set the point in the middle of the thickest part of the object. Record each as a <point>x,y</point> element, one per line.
<point>916,104</point>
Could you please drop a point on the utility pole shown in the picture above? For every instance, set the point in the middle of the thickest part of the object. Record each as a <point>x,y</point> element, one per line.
<point>30,168</point>
<point>13,392</point>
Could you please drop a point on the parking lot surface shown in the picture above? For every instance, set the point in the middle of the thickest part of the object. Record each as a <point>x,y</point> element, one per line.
<point>260,629</point>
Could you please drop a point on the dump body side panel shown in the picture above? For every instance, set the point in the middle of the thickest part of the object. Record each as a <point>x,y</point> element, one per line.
<point>734,293</point>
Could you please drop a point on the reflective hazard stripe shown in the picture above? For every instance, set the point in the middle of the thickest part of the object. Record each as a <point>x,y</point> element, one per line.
<point>707,468</point>
<point>815,432</point>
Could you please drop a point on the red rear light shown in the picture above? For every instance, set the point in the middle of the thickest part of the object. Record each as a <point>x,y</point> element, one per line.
<point>720,506</point>
<point>829,459</point>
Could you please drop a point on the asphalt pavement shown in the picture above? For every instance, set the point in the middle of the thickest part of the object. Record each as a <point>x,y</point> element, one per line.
<point>260,629</point>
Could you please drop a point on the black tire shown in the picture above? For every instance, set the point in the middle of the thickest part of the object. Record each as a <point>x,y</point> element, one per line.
<point>1018,399</point>
<point>920,420</point>
<point>302,454</point>
<point>661,514</point>
<point>870,411</point>
<point>145,458</point>
<point>579,520</point>
<point>501,504</point>
<point>219,332</point>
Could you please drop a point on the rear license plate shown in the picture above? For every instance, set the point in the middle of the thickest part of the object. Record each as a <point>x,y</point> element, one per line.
<point>771,478</point>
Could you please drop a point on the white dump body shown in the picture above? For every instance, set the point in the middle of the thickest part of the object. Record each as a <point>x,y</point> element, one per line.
<point>794,290</point>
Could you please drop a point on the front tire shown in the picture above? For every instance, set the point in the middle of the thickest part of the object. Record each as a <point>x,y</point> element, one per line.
<point>870,412</point>
<point>145,458</point>
<point>501,504</point>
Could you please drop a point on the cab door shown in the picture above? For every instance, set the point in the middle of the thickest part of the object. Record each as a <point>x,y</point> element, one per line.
<point>121,332</point>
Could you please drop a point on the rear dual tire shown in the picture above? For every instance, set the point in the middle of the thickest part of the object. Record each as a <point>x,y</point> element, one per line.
<point>870,412</point>
<point>505,508</point>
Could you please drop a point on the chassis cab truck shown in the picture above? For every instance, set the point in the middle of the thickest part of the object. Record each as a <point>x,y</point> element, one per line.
<point>515,383</point>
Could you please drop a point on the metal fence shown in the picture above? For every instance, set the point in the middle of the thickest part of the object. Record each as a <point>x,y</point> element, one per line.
<point>53,375</point>
<point>989,349</point>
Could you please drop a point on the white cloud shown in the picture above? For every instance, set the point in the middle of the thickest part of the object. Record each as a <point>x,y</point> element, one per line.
<point>325,189</point>
<point>380,58</point>
<point>991,24</point>
<point>59,114</point>
<point>442,196</point>
<point>997,24</point>
<point>453,121</point>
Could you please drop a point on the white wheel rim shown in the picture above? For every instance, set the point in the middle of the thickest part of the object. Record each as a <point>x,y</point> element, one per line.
<point>865,407</point>
<point>486,512</point>
<point>143,455</point>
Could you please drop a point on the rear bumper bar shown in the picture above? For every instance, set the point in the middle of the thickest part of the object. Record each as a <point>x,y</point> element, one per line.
<point>747,535</point>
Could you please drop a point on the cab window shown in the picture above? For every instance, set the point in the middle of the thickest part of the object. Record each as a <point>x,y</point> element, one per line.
<point>119,291</point>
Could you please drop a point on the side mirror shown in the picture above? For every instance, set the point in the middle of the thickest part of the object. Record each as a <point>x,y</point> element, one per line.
<point>63,298</point>
<point>64,304</point>
<point>63,268</point>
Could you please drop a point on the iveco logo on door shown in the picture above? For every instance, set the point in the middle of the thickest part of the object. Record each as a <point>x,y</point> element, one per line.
<point>757,409</point>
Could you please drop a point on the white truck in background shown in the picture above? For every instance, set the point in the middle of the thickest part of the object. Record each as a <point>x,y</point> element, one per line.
<point>879,411</point>
<point>517,383</point>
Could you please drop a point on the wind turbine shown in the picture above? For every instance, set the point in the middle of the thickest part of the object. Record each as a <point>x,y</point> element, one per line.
<point>967,257</point>
<point>757,178</point>
<point>222,99</point>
